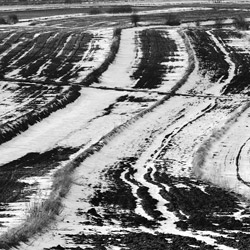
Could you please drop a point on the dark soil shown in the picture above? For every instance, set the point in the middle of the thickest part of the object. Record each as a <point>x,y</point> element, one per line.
<point>239,240</point>
<point>211,209</point>
<point>199,206</point>
<point>44,48</point>
<point>131,98</point>
<point>156,49</point>
<point>136,241</point>
<point>120,197</point>
<point>35,111</point>
<point>211,60</point>
<point>30,165</point>
<point>240,82</point>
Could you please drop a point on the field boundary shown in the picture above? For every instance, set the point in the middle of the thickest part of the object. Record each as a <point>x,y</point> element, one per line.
<point>9,130</point>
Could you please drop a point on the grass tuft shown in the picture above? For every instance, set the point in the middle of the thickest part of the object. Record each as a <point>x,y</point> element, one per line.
<point>41,213</point>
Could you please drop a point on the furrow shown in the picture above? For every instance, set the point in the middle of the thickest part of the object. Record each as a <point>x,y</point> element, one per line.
<point>134,188</point>
<point>169,137</point>
<point>232,67</point>
<point>238,161</point>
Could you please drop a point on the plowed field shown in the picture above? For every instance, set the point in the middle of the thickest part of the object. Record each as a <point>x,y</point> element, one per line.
<point>150,124</point>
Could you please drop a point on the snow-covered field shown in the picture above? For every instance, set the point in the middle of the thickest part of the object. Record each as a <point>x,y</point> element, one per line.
<point>54,56</point>
<point>171,145</point>
<point>163,141</point>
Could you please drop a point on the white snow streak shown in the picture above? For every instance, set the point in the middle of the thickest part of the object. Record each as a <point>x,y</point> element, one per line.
<point>231,70</point>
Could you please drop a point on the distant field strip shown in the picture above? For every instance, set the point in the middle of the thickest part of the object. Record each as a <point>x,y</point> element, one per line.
<point>53,56</point>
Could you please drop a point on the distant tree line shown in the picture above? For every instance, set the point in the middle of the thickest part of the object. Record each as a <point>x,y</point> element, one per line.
<point>8,2</point>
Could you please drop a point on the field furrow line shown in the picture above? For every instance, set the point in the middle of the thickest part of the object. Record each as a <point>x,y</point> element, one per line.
<point>134,188</point>
<point>237,162</point>
<point>232,66</point>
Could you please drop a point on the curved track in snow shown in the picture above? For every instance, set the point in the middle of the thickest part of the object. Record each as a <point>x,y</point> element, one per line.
<point>242,154</point>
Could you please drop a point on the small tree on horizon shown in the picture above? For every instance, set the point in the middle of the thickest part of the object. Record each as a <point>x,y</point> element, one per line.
<point>218,23</point>
<point>172,20</point>
<point>135,19</point>
<point>241,23</point>
<point>197,23</point>
<point>12,19</point>
<point>2,20</point>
